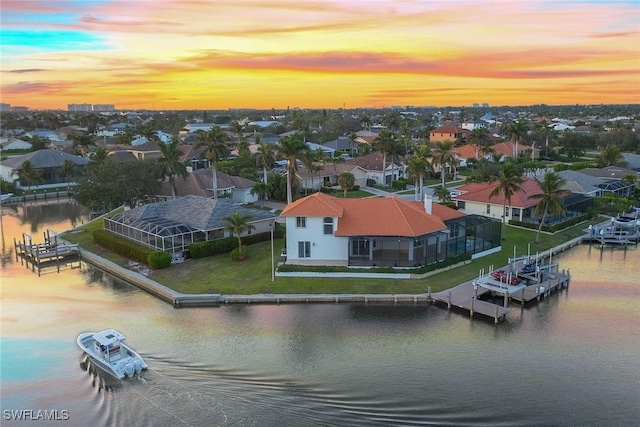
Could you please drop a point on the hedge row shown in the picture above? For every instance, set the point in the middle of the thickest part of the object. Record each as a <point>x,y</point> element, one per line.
<point>122,246</point>
<point>227,244</point>
<point>342,269</point>
<point>556,227</point>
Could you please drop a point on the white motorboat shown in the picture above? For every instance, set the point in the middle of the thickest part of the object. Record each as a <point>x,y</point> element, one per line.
<point>107,350</point>
<point>626,222</point>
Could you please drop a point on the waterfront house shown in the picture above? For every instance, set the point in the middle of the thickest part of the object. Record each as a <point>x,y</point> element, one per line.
<point>48,161</point>
<point>11,143</point>
<point>382,232</point>
<point>171,226</point>
<point>448,133</point>
<point>200,183</point>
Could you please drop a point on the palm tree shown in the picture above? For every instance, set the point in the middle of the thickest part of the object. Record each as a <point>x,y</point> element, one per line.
<point>442,157</point>
<point>423,152</point>
<point>215,147</point>
<point>550,199</point>
<point>481,138</point>
<point>417,170</point>
<point>81,143</point>
<point>547,132</point>
<point>68,171</point>
<point>169,163</point>
<point>293,149</point>
<point>509,180</point>
<point>516,131</point>
<point>346,181</point>
<point>610,155</point>
<point>99,156</point>
<point>443,194</point>
<point>28,175</point>
<point>265,159</point>
<point>261,189</point>
<point>385,143</point>
<point>238,224</point>
<point>237,128</point>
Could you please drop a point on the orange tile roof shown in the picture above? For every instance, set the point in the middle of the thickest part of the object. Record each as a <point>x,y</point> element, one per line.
<point>375,216</point>
<point>479,192</point>
<point>318,204</point>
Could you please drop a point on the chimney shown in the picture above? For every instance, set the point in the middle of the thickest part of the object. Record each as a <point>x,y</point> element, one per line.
<point>428,203</point>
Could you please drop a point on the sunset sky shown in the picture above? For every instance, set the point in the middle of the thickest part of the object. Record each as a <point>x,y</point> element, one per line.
<point>218,54</point>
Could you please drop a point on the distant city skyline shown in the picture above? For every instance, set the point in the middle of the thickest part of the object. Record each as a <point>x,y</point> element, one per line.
<point>172,54</point>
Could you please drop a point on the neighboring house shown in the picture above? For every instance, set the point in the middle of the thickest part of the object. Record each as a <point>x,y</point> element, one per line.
<point>48,161</point>
<point>448,133</point>
<point>200,183</point>
<point>331,152</point>
<point>476,124</point>
<point>633,161</point>
<point>475,199</point>
<point>173,225</point>
<point>580,183</point>
<point>612,179</point>
<point>148,150</point>
<point>372,163</point>
<point>46,134</point>
<point>195,127</point>
<point>381,232</point>
<point>508,149</point>
<point>328,176</point>
<point>342,144</point>
<point>12,143</point>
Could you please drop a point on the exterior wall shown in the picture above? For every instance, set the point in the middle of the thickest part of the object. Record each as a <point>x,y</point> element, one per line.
<point>244,196</point>
<point>478,208</point>
<point>438,137</point>
<point>5,173</point>
<point>323,247</point>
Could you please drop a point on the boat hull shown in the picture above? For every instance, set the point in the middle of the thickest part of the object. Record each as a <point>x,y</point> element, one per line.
<point>127,364</point>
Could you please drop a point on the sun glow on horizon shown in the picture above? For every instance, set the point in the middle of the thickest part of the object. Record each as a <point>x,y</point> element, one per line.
<point>323,53</point>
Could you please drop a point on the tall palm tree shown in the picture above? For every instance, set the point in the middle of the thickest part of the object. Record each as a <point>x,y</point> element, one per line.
<point>169,163</point>
<point>293,149</point>
<point>610,155</point>
<point>68,171</point>
<point>509,181</point>
<point>547,132</point>
<point>215,147</point>
<point>265,159</point>
<point>29,175</point>
<point>481,138</point>
<point>385,143</point>
<point>516,131</point>
<point>423,152</point>
<point>417,170</point>
<point>550,199</point>
<point>238,224</point>
<point>238,129</point>
<point>442,157</point>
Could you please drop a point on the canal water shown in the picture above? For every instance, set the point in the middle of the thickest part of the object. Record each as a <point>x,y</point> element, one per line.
<point>572,360</point>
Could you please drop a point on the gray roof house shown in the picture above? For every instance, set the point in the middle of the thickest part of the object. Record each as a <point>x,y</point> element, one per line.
<point>48,161</point>
<point>173,225</point>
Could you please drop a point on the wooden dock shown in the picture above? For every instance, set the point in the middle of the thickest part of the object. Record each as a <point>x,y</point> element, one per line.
<point>51,253</point>
<point>516,285</point>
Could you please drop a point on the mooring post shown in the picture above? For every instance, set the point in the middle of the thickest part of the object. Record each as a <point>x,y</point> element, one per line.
<point>429,291</point>
<point>522,301</point>
<point>538,292</point>
<point>473,299</point>
<point>496,317</point>
<point>449,302</point>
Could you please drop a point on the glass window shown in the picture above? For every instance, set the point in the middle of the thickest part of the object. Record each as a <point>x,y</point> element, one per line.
<point>360,247</point>
<point>301,222</point>
<point>328,225</point>
<point>461,204</point>
<point>304,249</point>
<point>488,209</point>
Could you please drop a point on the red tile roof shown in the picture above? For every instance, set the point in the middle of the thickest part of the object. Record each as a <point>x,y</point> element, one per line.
<point>479,192</point>
<point>375,216</point>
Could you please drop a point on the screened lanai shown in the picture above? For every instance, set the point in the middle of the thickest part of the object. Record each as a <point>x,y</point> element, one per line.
<point>158,233</point>
<point>173,225</point>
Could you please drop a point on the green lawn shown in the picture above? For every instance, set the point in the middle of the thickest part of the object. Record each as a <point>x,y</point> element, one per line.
<point>219,274</point>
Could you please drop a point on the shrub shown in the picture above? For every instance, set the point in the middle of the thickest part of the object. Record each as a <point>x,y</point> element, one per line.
<point>236,255</point>
<point>399,184</point>
<point>227,244</point>
<point>122,246</point>
<point>355,188</point>
<point>159,259</point>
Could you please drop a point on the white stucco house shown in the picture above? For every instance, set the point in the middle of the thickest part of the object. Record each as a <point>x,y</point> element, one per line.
<point>381,232</point>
